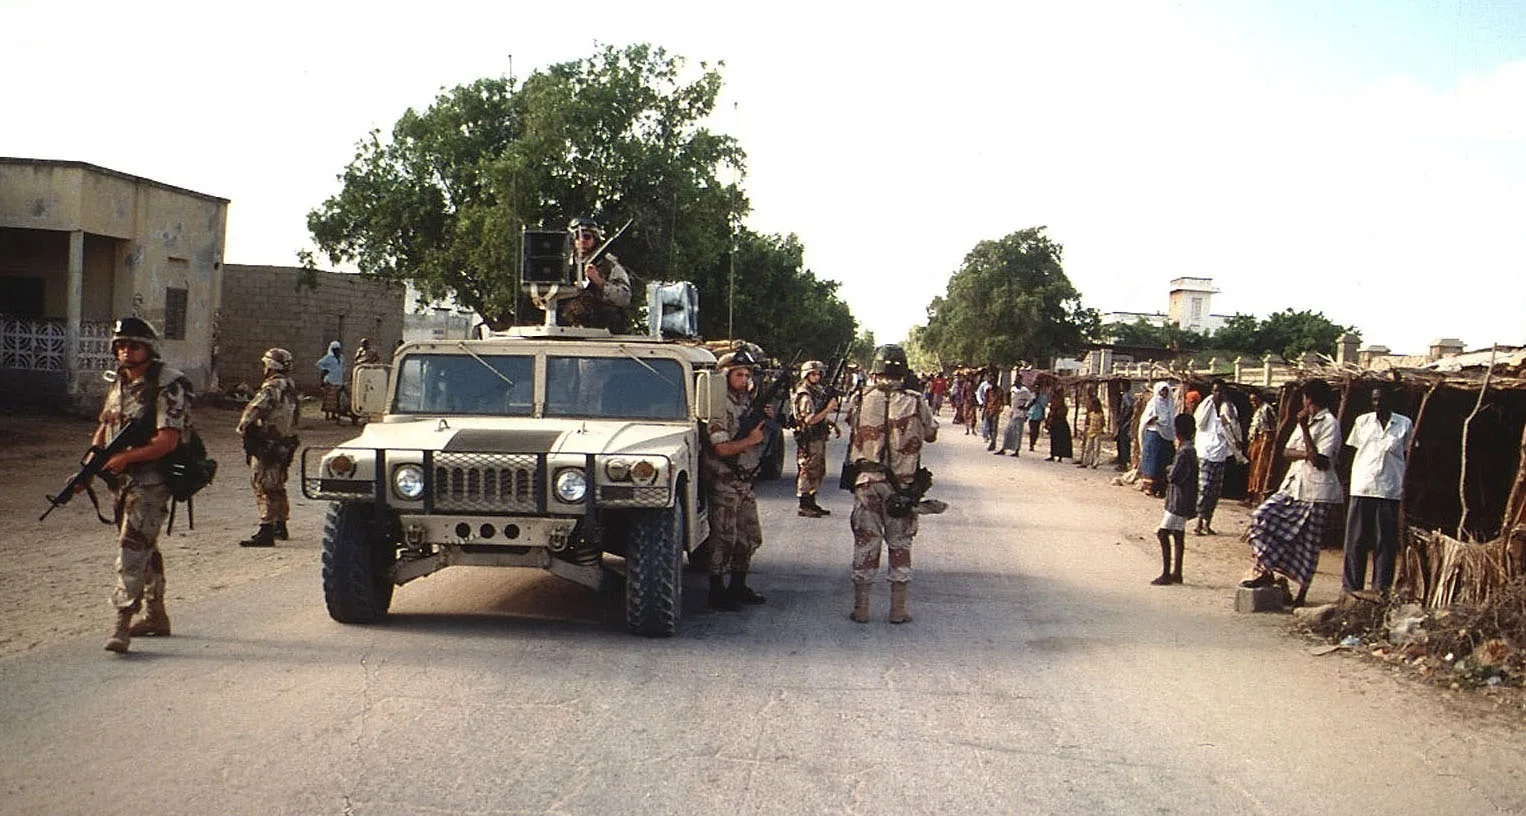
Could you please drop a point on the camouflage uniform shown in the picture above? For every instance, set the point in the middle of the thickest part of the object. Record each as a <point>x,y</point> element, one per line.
<point>735,532</point>
<point>273,412</point>
<point>810,440</point>
<point>143,496</point>
<point>601,307</point>
<point>885,411</point>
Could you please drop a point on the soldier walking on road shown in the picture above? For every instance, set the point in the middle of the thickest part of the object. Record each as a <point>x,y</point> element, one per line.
<point>268,427</point>
<point>890,425</point>
<point>732,464</point>
<point>145,388</point>
<point>813,411</point>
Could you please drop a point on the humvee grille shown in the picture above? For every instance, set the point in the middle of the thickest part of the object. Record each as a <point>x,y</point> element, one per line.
<point>486,483</point>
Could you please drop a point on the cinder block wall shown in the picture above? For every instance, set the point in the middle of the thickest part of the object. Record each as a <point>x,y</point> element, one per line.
<point>262,307</point>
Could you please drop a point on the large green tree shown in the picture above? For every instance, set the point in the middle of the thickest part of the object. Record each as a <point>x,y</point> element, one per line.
<point>1009,302</point>
<point>778,303</point>
<point>441,202</point>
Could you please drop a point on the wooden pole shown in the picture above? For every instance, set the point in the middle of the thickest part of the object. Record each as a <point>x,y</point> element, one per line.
<point>1462,476</point>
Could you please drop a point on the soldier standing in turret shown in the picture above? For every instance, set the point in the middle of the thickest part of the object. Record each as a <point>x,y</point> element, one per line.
<point>889,426</point>
<point>601,303</point>
<point>813,410</point>
<point>268,428</point>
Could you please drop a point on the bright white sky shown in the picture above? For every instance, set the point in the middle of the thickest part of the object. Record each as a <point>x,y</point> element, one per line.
<point>1362,158</point>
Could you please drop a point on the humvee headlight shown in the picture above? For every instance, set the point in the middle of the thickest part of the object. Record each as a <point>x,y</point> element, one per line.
<point>618,470</point>
<point>408,481</point>
<point>342,466</point>
<point>571,486</point>
<point>644,473</point>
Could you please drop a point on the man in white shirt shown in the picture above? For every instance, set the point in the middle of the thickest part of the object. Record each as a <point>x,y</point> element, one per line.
<point>1381,440</point>
<point>1287,529</point>
<point>1215,443</point>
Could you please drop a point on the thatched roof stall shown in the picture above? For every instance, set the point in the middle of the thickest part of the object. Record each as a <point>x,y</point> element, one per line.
<point>1465,487</point>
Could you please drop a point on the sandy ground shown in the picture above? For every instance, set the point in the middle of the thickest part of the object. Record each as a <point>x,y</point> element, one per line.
<point>59,573</point>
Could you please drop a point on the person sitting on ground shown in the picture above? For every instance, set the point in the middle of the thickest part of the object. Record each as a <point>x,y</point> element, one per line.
<point>1181,502</point>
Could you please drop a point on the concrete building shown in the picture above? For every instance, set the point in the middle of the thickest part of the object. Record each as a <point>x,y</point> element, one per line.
<point>269,306</point>
<point>82,245</point>
<point>1191,304</point>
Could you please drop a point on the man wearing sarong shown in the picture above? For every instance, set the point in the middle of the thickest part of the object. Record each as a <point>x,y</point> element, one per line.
<point>1287,529</point>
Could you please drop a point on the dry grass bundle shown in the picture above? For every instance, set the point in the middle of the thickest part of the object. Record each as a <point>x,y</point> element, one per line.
<point>1499,622</point>
<point>1441,572</point>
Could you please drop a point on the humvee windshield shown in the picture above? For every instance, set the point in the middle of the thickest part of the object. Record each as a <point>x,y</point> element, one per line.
<point>617,388</point>
<point>491,384</point>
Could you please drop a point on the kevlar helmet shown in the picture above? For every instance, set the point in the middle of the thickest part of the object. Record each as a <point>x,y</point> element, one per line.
<point>137,329</point>
<point>889,360</point>
<point>583,222</point>
<point>736,359</point>
<point>812,365</point>
<point>277,359</point>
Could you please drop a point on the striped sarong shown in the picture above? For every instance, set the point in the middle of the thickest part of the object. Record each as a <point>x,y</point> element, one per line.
<point>1210,486</point>
<point>1285,535</point>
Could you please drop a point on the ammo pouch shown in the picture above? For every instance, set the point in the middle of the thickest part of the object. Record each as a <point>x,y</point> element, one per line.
<point>899,505</point>
<point>188,468</point>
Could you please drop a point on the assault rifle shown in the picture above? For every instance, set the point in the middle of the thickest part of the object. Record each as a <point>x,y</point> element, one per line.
<point>597,255</point>
<point>768,394</point>
<point>93,465</point>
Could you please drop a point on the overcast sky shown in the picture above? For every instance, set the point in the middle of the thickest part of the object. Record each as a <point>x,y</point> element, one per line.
<point>1364,159</point>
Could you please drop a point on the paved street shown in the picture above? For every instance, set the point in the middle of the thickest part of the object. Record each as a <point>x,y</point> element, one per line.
<point>1042,674</point>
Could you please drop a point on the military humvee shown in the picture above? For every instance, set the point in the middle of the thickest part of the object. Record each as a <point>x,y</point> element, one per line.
<point>569,450</point>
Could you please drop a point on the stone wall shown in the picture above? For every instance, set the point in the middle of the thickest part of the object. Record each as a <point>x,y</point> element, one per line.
<point>262,307</point>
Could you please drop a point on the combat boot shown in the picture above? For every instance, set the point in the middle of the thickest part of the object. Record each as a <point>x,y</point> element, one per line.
<point>818,508</point>
<point>860,613</point>
<point>122,635</point>
<point>280,531</point>
<point>898,613</point>
<point>155,623</point>
<point>806,510</point>
<point>720,598</point>
<point>743,594</point>
<point>263,537</point>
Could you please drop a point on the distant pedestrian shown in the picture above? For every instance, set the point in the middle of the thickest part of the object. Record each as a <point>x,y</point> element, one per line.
<point>331,381</point>
<point>1181,502</point>
<point>1156,438</point>
<point>1263,431</point>
<point>1036,413</point>
<point>364,354</point>
<point>1287,529</point>
<point>992,400</point>
<point>1093,427</point>
<point>1381,439</point>
<point>1058,425</point>
<point>1217,427</point>
<point>1017,417</point>
<point>1125,430</point>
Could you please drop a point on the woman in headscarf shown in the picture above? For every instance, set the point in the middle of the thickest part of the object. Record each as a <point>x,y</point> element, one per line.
<point>1058,424</point>
<point>1157,439</point>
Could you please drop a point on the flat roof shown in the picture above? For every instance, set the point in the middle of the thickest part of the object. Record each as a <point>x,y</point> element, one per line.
<point>106,171</point>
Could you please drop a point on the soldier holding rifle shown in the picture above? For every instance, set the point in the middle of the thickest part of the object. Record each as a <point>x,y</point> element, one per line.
<point>158,399</point>
<point>814,405</point>
<point>732,460</point>
<point>268,428</point>
<point>606,287</point>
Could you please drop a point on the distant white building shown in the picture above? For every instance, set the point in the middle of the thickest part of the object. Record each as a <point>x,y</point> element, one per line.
<point>1189,305</point>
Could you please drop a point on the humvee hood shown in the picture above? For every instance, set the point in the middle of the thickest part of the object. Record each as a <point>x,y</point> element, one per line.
<point>562,436</point>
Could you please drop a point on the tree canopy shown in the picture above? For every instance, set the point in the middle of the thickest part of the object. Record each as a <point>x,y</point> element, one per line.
<point>619,135</point>
<point>1288,333</point>
<point>1009,302</point>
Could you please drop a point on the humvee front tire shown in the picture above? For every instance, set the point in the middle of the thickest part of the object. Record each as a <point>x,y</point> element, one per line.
<point>357,562</point>
<point>654,571</point>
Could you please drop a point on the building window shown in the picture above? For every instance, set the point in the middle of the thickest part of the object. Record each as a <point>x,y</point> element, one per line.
<point>174,313</point>
<point>1197,310</point>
